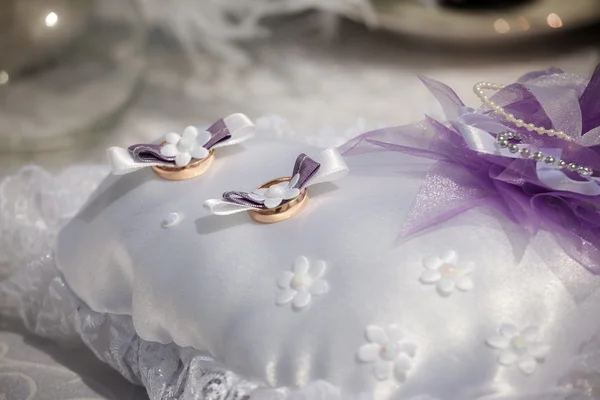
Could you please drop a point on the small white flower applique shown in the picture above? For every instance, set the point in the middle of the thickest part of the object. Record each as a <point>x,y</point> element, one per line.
<point>186,146</point>
<point>446,273</point>
<point>275,195</point>
<point>521,347</point>
<point>388,351</point>
<point>302,283</point>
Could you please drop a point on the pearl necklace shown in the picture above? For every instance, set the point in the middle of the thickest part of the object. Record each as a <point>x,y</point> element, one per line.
<point>507,139</point>
<point>479,91</point>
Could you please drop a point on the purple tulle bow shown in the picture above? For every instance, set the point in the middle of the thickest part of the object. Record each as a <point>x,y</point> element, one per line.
<point>463,178</point>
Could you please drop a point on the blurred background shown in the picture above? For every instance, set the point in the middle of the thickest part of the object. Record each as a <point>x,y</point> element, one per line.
<point>77,76</point>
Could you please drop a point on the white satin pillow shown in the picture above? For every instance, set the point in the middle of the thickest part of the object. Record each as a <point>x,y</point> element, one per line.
<point>330,294</point>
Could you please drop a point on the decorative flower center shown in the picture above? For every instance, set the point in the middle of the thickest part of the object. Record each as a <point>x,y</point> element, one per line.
<point>301,281</point>
<point>447,269</point>
<point>275,191</point>
<point>389,351</point>
<point>186,144</point>
<point>519,344</point>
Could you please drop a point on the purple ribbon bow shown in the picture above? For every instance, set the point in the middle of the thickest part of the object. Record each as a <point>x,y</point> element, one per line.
<point>150,153</point>
<point>463,178</point>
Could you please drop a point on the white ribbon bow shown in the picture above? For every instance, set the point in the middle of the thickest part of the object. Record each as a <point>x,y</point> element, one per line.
<point>332,167</point>
<point>121,161</point>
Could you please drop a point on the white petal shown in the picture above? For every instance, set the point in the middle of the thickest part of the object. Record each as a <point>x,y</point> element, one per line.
<point>509,331</point>
<point>203,137</point>
<point>430,276</point>
<point>538,351</point>
<point>302,299</point>
<point>260,192</point>
<point>281,185</point>
<point>285,296</point>
<point>169,150</point>
<point>449,257</point>
<point>409,348</point>
<point>383,369</point>
<point>527,364</point>
<point>368,352</point>
<point>403,363</point>
<point>432,262</point>
<point>256,197</point>
<point>172,138</point>
<point>190,133</point>
<point>273,203</point>
<point>499,342</point>
<point>395,333</point>
<point>318,269</point>
<point>376,334</point>
<point>301,265</point>
<point>530,334</point>
<point>294,180</point>
<point>445,286</point>
<point>285,279</point>
<point>318,287</point>
<point>199,152</point>
<point>507,358</point>
<point>463,283</point>
<point>291,194</point>
<point>182,159</point>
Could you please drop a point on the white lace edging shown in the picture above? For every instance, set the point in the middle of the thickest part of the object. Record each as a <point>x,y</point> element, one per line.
<point>35,204</point>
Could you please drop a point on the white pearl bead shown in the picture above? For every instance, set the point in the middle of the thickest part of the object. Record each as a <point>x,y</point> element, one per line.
<point>170,220</point>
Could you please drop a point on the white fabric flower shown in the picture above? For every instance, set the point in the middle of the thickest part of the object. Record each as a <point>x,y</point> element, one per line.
<point>187,146</point>
<point>275,195</point>
<point>304,282</point>
<point>446,273</point>
<point>521,347</point>
<point>388,352</point>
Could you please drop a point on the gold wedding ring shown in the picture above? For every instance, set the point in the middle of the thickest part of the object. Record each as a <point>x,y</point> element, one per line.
<point>282,212</point>
<point>190,171</point>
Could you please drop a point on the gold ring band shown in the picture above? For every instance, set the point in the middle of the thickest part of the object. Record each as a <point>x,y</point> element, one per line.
<point>285,210</point>
<point>190,171</point>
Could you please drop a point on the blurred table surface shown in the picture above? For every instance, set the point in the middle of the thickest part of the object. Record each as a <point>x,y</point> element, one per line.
<point>325,88</point>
